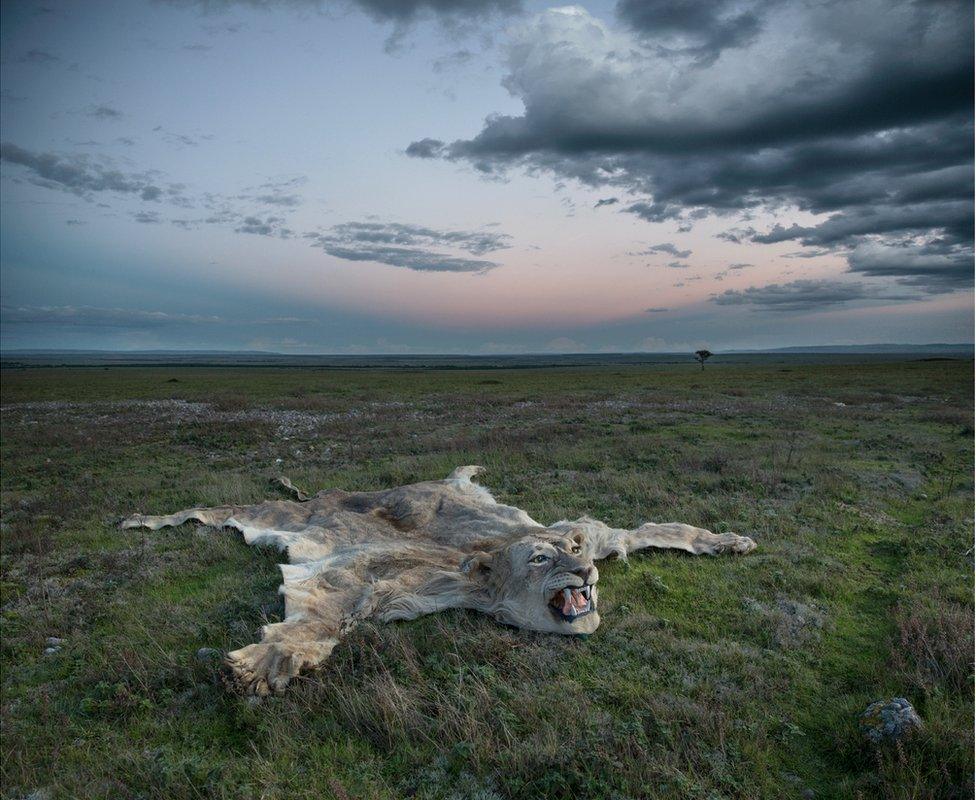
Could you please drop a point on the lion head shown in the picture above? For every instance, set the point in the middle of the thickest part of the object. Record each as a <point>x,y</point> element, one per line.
<point>543,581</point>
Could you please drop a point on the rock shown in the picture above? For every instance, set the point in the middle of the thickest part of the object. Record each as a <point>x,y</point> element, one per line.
<point>207,654</point>
<point>50,651</point>
<point>54,641</point>
<point>889,720</point>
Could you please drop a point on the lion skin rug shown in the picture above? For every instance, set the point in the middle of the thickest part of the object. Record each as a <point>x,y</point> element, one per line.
<point>400,553</point>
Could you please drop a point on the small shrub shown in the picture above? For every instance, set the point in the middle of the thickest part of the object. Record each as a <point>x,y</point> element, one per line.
<point>934,649</point>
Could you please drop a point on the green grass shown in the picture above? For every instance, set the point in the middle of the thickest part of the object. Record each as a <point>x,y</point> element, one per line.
<point>709,678</point>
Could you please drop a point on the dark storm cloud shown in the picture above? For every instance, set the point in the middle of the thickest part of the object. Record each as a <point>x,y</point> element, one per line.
<point>606,201</point>
<point>410,246</point>
<point>801,295</point>
<point>410,258</point>
<point>405,10</point>
<point>954,217</point>
<point>873,129</point>
<point>810,253</point>
<point>666,247</point>
<point>736,235</point>
<point>267,226</point>
<point>147,217</point>
<point>426,148</point>
<point>934,267</point>
<point>225,212</point>
<point>655,310</point>
<point>398,11</point>
<point>395,233</point>
<point>702,28</point>
<point>76,174</point>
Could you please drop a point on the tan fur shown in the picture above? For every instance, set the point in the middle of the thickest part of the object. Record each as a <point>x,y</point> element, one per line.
<point>414,550</point>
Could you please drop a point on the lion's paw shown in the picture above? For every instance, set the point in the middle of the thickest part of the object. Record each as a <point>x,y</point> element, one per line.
<point>733,543</point>
<point>259,669</point>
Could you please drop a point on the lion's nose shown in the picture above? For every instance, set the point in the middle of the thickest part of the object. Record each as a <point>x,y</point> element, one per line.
<point>584,573</point>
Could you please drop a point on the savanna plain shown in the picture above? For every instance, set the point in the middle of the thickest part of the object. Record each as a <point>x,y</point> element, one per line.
<point>726,677</point>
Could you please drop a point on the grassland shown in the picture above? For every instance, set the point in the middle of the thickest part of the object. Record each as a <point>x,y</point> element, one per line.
<point>709,678</point>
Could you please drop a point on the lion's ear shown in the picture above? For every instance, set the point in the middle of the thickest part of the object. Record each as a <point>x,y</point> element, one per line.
<point>477,565</point>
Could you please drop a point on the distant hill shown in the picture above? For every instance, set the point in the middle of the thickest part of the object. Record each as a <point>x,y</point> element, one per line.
<point>935,349</point>
<point>40,351</point>
<point>816,354</point>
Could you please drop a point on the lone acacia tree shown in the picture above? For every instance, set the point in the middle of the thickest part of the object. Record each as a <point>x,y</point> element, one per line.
<point>701,356</point>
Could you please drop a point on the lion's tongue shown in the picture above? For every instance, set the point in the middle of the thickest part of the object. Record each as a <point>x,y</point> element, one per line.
<point>567,602</point>
<point>573,600</point>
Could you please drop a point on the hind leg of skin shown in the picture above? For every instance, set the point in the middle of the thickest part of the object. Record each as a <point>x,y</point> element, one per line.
<point>268,667</point>
<point>215,517</point>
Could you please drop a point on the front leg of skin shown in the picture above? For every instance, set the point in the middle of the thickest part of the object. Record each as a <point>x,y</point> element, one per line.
<point>715,544</point>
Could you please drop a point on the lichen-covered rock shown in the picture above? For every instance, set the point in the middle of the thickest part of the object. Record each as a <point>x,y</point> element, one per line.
<point>207,654</point>
<point>54,645</point>
<point>889,720</point>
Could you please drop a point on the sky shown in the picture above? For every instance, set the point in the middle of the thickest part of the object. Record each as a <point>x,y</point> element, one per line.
<point>485,176</point>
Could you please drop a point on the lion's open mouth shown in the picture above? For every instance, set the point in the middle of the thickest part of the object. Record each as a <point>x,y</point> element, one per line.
<point>572,602</point>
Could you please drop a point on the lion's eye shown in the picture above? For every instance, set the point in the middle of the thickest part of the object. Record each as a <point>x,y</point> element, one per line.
<point>576,549</point>
<point>539,559</point>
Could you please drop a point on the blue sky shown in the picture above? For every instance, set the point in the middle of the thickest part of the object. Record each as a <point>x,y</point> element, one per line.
<point>484,176</point>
